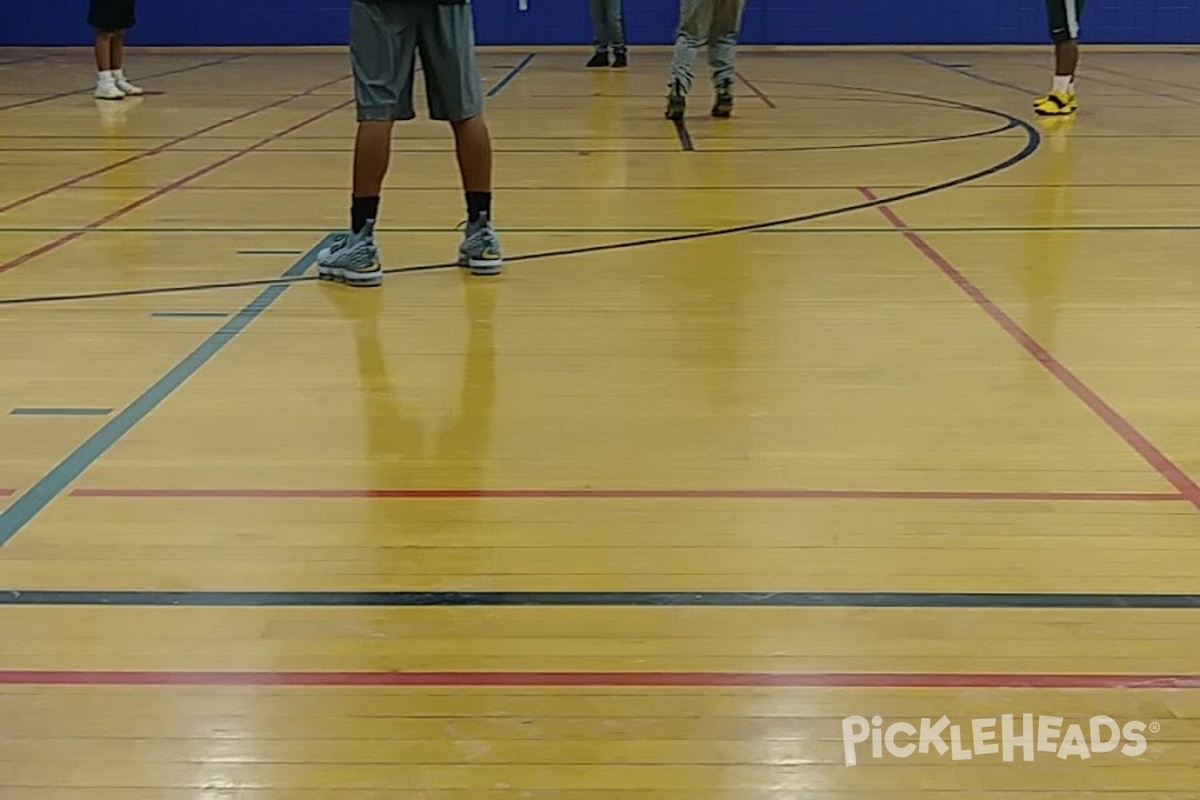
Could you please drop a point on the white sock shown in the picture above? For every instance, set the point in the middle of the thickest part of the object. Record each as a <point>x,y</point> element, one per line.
<point>1063,83</point>
<point>106,76</point>
<point>119,74</point>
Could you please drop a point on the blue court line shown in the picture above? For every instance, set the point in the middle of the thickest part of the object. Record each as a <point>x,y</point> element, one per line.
<point>212,314</point>
<point>52,484</point>
<point>60,412</point>
<point>627,599</point>
<point>513,73</point>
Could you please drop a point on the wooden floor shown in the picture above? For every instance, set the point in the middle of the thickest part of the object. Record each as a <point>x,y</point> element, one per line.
<point>879,399</point>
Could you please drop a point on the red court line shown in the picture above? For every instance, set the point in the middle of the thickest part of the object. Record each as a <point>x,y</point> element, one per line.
<point>156,150</point>
<point>168,188</point>
<point>758,92</point>
<point>791,680</point>
<point>163,190</point>
<point>629,494</point>
<point>1110,416</point>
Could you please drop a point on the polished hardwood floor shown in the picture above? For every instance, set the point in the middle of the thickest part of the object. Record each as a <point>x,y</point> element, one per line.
<point>877,400</point>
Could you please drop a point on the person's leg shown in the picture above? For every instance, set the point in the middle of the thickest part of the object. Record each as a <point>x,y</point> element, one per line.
<point>1063,16</point>
<point>473,143</point>
<point>722,52</point>
<point>600,33</point>
<point>118,61</point>
<point>616,18</point>
<point>103,49</point>
<point>695,20</point>
<point>106,81</point>
<point>455,91</point>
<point>383,57</point>
<point>372,156</point>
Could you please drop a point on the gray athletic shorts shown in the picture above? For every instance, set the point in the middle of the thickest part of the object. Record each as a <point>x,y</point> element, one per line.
<point>385,39</point>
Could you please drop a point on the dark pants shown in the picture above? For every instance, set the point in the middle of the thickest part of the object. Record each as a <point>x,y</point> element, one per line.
<point>1064,17</point>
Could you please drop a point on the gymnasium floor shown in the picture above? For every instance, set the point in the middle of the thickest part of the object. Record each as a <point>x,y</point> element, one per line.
<point>879,399</point>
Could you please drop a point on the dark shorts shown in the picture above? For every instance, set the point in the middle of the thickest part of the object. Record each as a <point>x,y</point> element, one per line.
<point>385,40</point>
<point>1064,18</point>
<point>111,15</point>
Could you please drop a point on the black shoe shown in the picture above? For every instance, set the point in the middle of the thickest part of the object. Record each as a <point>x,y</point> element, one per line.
<point>599,60</point>
<point>620,60</point>
<point>676,104</point>
<point>723,107</point>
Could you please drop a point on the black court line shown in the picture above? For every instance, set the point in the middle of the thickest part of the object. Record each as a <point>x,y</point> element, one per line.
<point>269,252</point>
<point>884,600</point>
<point>153,76</point>
<point>511,76</point>
<point>24,60</point>
<point>1032,142</point>
<point>578,187</point>
<point>966,73</point>
<point>685,136</point>
<point>759,93</point>
<point>680,126</point>
<point>1145,92</point>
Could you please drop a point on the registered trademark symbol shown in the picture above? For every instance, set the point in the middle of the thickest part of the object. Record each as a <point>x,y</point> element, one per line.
<point>1155,727</point>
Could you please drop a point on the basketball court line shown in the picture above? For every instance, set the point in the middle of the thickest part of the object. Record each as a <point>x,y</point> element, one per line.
<point>1132,91</point>
<point>682,187</point>
<point>1163,465</point>
<point>28,505</point>
<point>628,494</point>
<point>24,60</point>
<point>1096,67</point>
<point>140,154</point>
<point>684,134</point>
<point>18,514</point>
<point>782,680</point>
<point>967,73</point>
<point>165,190</point>
<point>511,76</point>
<point>111,598</point>
<point>153,76</point>
<point>1032,143</point>
<point>60,412</point>
<point>516,230</point>
<point>756,91</point>
<point>1136,91</point>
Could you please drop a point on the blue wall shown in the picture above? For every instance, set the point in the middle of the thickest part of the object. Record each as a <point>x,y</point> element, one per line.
<point>278,22</point>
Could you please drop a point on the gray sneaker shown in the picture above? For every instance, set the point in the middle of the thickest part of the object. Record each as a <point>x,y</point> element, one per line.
<point>352,259</point>
<point>480,248</point>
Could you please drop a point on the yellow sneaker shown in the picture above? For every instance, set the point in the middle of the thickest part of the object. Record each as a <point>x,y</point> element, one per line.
<point>1057,104</point>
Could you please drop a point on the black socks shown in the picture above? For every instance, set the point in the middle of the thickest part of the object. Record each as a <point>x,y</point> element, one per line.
<point>361,210</point>
<point>478,204</point>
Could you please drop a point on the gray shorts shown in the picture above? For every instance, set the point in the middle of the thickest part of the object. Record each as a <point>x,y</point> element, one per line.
<point>385,39</point>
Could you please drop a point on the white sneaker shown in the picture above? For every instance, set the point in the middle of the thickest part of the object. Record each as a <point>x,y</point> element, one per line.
<point>108,91</point>
<point>128,88</point>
